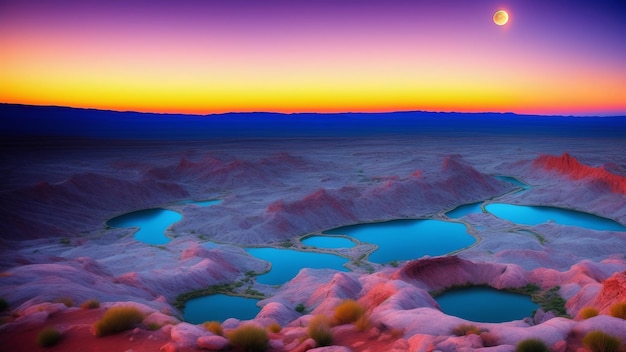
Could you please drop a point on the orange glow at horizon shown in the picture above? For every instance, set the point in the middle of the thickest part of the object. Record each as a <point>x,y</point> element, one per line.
<point>293,64</point>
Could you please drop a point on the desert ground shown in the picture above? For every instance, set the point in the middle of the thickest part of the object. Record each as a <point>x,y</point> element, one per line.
<point>55,245</point>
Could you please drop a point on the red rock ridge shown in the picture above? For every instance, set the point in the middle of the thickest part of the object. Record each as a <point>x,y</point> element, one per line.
<point>568,165</point>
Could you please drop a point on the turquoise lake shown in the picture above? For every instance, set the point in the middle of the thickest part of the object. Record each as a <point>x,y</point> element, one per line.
<point>202,203</point>
<point>220,307</point>
<point>286,263</point>
<point>534,215</point>
<point>486,304</point>
<point>463,210</point>
<point>328,242</point>
<point>409,239</point>
<point>152,224</point>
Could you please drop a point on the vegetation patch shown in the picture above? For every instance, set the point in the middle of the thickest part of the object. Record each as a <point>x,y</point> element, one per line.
<point>300,308</point>
<point>48,337</point>
<point>214,327</point>
<point>588,312</point>
<point>319,330</point>
<point>250,338</point>
<point>90,304</point>
<point>68,301</point>
<point>531,345</point>
<point>598,341</point>
<point>466,330</point>
<point>348,311</point>
<point>550,300</point>
<point>118,319</point>
<point>618,310</point>
<point>274,327</point>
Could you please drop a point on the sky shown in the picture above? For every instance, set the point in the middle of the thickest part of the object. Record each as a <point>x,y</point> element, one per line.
<point>564,57</point>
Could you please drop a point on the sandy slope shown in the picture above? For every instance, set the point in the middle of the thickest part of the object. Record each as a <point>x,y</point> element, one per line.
<point>54,242</point>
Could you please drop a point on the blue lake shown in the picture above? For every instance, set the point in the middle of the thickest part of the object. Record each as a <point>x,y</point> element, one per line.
<point>202,203</point>
<point>152,224</point>
<point>220,307</point>
<point>534,215</point>
<point>486,304</point>
<point>409,239</point>
<point>328,242</point>
<point>286,263</point>
<point>463,210</point>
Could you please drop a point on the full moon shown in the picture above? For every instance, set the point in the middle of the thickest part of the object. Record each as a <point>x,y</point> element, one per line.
<point>501,17</point>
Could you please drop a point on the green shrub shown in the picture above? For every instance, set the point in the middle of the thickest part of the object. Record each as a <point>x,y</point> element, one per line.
<point>618,310</point>
<point>319,330</point>
<point>214,327</point>
<point>274,327</point>
<point>48,337</point>
<point>531,345</point>
<point>118,319</point>
<point>300,308</point>
<point>588,312</point>
<point>466,330</point>
<point>90,304</point>
<point>4,305</point>
<point>250,338</point>
<point>598,341</point>
<point>348,311</point>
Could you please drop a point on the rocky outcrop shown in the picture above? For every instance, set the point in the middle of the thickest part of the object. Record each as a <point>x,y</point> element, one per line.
<point>442,272</point>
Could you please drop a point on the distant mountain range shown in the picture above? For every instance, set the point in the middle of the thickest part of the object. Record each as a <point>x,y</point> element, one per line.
<point>18,121</point>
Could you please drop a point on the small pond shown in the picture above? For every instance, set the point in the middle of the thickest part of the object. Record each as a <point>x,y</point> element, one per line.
<point>220,307</point>
<point>286,263</point>
<point>534,215</point>
<point>465,209</point>
<point>152,224</point>
<point>202,203</point>
<point>409,239</point>
<point>486,304</point>
<point>328,242</point>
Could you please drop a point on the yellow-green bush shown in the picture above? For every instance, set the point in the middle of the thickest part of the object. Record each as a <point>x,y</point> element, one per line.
<point>588,312</point>
<point>48,337</point>
<point>214,327</point>
<point>118,319</point>
<point>90,304</point>
<point>531,345</point>
<point>250,338</point>
<point>618,310</point>
<point>274,327</point>
<point>598,341</point>
<point>348,311</point>
<point>319,330</point>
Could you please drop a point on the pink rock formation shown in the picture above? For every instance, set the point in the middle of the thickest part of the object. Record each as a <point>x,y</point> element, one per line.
<point>572,168</point>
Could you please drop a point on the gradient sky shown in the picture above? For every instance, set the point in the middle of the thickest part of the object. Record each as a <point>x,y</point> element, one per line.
<point>553,57</point>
